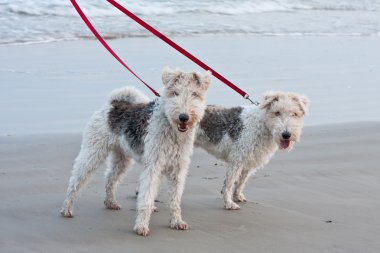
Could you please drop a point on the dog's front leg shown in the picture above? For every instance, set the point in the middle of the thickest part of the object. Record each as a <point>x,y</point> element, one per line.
<point>149,182</point>
<point>176,188</point>
<point>233,173</point>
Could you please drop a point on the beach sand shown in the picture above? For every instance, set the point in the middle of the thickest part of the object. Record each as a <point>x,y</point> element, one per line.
<point>321,197</point>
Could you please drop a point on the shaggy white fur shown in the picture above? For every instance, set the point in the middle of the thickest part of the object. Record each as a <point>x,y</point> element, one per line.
<point>160,134</point>
<point>247,137</point>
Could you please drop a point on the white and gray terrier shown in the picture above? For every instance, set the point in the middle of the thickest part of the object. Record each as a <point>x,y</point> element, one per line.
<point>160,134</point>
<point>247,137</point>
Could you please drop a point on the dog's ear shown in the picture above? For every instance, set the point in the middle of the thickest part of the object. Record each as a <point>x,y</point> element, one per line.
<point>304,103</point>
<point>169,75</point>
<point>204,80</point>
<point>269,98</point>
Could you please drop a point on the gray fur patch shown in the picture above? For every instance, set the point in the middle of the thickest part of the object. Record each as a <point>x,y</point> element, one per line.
<point>131,120</point>
<point>218,121</point>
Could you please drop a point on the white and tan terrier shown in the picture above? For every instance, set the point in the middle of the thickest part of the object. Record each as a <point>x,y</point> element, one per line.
<point>160,134</point>
<point>247,137</point>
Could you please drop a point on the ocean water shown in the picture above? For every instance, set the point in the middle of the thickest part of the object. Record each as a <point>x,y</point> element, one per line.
<point>41,21</point>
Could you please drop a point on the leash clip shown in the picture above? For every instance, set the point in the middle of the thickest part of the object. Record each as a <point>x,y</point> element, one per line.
<point>252,101</point>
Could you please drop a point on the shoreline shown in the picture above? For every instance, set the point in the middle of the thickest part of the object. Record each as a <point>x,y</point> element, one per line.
<point>175,37</point>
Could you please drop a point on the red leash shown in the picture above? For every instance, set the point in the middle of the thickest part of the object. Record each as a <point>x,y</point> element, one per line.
<point>104,43</point>
<point>162,37</point>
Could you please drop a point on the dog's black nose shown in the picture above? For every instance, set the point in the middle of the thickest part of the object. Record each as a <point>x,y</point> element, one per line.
<point>286,135</point>
<point>183,117</point>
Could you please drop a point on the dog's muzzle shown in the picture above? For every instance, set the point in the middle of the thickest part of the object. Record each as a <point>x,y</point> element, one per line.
<point>183,119</point>
<point>285,142</point>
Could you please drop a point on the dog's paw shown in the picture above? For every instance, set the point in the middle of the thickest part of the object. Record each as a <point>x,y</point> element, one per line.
<point>231,206</point>
<point>179,225</point>
<point>240,198</point>
<point>141,230</point>
<point>112,205</point>
<point>65,212</point>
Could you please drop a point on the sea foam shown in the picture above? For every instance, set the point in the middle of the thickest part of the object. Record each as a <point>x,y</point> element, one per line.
<point>35,21</point>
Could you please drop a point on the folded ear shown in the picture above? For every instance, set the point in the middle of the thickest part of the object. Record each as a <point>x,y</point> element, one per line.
<point>269,98</point>
<point>168,75</point>
<point>204,80</point>
<point>301,100</point>
<point>305,102</point>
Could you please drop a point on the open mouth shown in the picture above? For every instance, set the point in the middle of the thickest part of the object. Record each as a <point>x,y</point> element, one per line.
<point>285,144</point>
<point>182,127</point>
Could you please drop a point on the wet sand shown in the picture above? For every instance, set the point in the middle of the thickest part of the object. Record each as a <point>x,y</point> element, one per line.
<point>55,88</point>
<point>321,197</point>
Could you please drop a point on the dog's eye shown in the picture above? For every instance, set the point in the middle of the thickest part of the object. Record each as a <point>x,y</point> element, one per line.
<point>294,114</point>
<point>277,113</point>
<point>175,93</point>
<point>195,95</point>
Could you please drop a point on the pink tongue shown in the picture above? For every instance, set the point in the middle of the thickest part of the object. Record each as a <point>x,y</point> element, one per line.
<point>285,144</point>
<point>183,125</point>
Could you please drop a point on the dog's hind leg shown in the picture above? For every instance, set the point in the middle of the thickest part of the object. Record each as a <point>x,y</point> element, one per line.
<point>94,149</point>
<point>86,162</point>
<point>176,188</point>
<point>118,164</point>
<point>233,173</point>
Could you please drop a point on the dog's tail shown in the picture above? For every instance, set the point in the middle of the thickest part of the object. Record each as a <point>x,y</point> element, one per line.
<point>127,96</point>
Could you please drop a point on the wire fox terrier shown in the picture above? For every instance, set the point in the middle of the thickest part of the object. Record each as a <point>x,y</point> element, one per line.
<point>247,137</point>
<point>160,134</point>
